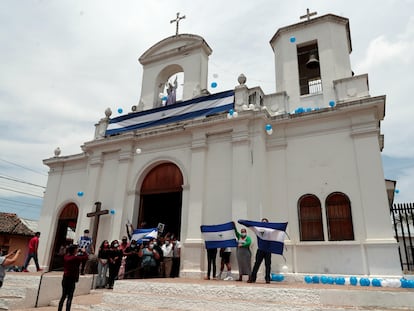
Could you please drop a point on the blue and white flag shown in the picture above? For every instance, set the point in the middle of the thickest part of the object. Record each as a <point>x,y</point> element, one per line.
<point>270,235</point>
<point>218,236</point>
<point>144,234</point>
<point>189,109</point>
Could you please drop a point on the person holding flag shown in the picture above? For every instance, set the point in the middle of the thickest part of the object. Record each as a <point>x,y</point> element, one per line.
<point>270,239</point>
<point>217,236</point>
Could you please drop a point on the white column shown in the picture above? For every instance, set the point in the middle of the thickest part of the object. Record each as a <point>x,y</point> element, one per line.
<point>193,253</point>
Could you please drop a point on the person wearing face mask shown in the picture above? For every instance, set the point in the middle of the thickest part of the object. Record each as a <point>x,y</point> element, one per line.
<point>131,260</point>
<point>168,252</point>
<point>103,255</point>
<point>244,256</point>
<point>114,262</point>
<point>149,257</point>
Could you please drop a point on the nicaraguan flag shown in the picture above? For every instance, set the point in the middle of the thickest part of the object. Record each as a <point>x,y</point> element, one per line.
<point>144,234</point>
<point>270,235</point>
<point>203,106</point>
<point>218,236</point>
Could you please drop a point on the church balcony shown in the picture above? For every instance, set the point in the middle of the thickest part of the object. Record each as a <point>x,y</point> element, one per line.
<point>352,88</point>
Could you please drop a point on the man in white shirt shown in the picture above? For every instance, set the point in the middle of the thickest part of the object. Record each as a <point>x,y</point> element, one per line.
<point>168,252</point>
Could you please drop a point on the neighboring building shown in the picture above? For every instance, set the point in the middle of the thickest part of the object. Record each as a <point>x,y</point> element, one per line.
<point>308,154</point>
<point>15,234</point>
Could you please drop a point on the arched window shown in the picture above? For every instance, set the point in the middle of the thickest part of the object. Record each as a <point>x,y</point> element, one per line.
<point>310,218</point>
<point>339,217</point>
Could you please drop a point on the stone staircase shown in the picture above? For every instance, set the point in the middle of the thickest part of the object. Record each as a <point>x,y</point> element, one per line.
<point>181,294</point>
<point>19,290</point>
<point>29,290</point>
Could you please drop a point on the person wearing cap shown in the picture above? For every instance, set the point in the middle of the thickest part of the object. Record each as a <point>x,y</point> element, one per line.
<point>85,242</point>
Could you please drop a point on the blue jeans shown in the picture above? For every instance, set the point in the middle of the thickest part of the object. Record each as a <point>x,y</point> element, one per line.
<point>36,260</point>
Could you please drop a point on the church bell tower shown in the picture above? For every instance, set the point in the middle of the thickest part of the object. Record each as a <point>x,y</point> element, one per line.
<point>309,56</point>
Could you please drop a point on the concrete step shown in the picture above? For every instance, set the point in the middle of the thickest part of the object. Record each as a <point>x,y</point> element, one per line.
<point>179,294</point>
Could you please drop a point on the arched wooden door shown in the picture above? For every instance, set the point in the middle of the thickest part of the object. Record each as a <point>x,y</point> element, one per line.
<point>66,224</point>
<point>161,198</point>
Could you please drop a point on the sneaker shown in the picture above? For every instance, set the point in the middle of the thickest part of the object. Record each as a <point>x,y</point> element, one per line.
<point>228,278</point>
<point>39,270</point>
<point>250,281</point>
<point>25,270</point>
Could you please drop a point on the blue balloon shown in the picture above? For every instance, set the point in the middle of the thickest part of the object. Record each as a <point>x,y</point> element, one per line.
<point>340,280</point>
<point>397,191</point>
<point>214,85</point>
<point>300,110</point>
<point>353,280</point>
<point>112,212</point>
<point>364,282</point>
<point>308,279</point>
<point>308,109</point>
<point>80,194</point>
<point>332,103</point>
<point>164,98</point>
<point>120,110</point>
<point>292,39</point>
<point>324,279</point>
<point>315,279</point>
<point>376,283</point>
<point>231,111</point>
<point>268,127</point>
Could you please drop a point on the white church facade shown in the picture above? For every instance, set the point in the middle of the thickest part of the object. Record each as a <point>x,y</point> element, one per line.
<point>308,154</point>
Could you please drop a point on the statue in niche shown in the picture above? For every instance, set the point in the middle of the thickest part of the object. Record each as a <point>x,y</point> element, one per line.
<point>171,92</point>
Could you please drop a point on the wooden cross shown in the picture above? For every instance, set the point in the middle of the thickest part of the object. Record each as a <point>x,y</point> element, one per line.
<point>308,14</point>
<point>177,20</point>
<point>96,214</point>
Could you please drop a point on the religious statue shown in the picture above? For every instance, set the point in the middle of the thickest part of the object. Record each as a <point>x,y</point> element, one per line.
<point>171,92</point>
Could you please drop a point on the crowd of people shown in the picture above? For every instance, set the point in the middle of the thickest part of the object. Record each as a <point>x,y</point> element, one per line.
<point>130,259</point>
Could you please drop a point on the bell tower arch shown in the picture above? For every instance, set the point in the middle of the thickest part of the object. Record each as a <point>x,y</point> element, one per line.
<point>183,53</point>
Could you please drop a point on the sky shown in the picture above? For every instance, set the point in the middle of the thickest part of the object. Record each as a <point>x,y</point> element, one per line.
<point>62,63</point>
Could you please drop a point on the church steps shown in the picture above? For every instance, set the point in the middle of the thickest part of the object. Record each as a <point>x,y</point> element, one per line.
<point>222,295</point>
<point>19,290</point>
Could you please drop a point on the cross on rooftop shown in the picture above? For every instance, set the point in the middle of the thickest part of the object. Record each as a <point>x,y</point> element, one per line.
<point>96,214</point>
<point>177,20</point>
<point>308,14</point>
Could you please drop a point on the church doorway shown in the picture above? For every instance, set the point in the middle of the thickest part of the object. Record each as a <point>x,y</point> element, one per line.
<point>65,235</point>
<point>161,198</point>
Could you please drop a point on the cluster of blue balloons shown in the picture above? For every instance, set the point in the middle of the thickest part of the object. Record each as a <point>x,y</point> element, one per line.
<point>269,129</point>
<point>302,110</point>
<point>325,280</point>
<point>277,277</point>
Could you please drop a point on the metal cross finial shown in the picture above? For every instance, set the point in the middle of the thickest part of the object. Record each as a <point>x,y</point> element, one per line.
<point>177,20</point>
<point>308,14</point>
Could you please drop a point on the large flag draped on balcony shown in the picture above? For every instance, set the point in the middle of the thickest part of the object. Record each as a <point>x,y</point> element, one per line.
<point>270,235</point>
<point>197,107</point>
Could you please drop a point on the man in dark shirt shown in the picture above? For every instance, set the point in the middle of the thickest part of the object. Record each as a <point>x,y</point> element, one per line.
<point>71,263</point>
